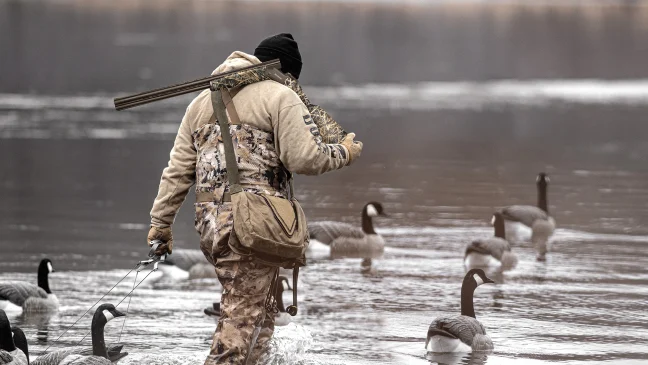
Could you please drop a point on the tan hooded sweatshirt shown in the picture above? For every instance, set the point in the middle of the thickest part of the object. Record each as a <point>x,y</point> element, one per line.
<point>266,105</point>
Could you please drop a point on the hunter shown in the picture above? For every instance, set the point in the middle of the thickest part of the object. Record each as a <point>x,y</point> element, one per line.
<point>274,138</point>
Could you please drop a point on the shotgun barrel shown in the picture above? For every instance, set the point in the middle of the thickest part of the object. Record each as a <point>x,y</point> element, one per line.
<point>228,79</point>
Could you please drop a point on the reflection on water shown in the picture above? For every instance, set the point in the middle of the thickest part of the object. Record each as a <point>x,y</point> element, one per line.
<point>475,358</point>
<point>39,321</point>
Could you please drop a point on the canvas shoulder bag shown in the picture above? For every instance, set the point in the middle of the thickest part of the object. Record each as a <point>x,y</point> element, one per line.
<point>272,228</point>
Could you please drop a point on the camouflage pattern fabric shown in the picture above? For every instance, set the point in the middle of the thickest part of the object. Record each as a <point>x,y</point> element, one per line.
<point>329,129</point>
<point>246,284</point>
<point>242,78</point>
<point>260,171</point>
<point>245,326</point>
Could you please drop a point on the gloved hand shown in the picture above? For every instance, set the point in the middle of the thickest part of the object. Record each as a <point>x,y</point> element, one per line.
<point>354,147</point>
<point>164,235</point>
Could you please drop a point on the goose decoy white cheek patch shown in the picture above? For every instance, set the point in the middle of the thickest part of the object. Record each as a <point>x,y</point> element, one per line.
<point>478,279</point>
<point>371,210</point>
<point>108,315</point>
<point>493,220</point>
<point>49,267</point>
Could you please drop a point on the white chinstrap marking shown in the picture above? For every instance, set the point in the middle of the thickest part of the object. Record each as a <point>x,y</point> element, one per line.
<point>49,267</point>
<point>108,315</point>
<point>478,279</point>
<point>372,211</point>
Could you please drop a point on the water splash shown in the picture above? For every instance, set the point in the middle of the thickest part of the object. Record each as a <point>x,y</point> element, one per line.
<point>289,346</point>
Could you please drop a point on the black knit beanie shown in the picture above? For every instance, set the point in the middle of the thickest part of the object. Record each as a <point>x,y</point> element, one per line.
<point>283,47</point>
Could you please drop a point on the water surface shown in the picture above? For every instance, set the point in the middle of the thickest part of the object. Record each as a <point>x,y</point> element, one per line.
<point>440,173</point>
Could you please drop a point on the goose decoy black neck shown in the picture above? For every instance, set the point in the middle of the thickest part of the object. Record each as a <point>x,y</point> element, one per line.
<point>542,181</point>
<point>6,337</point>
<point>370,210</point>
<point>498,223</point>
<point>104,313</point>
<point>472,280</point>
<point>20,341</point>
<point>44,269</point>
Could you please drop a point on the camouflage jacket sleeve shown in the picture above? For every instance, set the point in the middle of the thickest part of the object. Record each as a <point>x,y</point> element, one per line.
<point>179,175</point>
<point>298,140</point>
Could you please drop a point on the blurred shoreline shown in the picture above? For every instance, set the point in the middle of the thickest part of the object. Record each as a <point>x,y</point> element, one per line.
<point>82,47</point>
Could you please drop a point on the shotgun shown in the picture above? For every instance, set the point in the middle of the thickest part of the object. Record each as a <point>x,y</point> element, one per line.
<point>229,79</point>
<point>329,129</point>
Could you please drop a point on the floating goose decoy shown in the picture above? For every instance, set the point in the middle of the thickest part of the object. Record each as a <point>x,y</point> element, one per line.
<point>346,240</point>
<point>98,354</point>
<point>186,264</point>
<point>10,354</point>
<point>461,333</point>
<point>526,221</point>
<point>282,318</point>
<point>494,251</point>
<point>20,295</point>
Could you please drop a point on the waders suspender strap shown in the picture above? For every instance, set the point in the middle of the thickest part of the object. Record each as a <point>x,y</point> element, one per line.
<point>230,158</point>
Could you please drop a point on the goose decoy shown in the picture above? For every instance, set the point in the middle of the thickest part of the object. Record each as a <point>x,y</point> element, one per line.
<point>20,340</point>
<point>282,318</point>
<point>526,221</point>
<point>186,264</point>
<point>98,354</point>
<point>461,333</point>
<point>494,251</point>
<point>346,240</point>
<point>10,354</point>
<point>20,295</point>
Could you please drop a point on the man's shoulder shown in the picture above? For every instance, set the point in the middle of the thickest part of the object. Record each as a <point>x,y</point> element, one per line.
<point>272,91</point>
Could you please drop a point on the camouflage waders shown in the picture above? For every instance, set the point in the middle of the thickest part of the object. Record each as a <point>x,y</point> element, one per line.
<point>246,325</point>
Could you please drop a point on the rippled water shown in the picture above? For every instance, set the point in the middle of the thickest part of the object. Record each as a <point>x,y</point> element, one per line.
<point>84,203</point>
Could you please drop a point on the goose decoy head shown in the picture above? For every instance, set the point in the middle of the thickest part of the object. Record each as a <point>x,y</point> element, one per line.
<point>20,341</point>
<point>46,266</point>
<point>497,218</point>
<point>374,209</point>
<point>108,312</point>
<point>542,179</point>
<point>44,269</point>
<point>479,277</point>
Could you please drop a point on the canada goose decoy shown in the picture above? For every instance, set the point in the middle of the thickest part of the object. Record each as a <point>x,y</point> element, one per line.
<point>10,354</point>
<point>346,240</point>
<point>186,264</point>
<point>282,318</point>
<point>461,333</point>
<point>522,221</point>
<point>494,251</point>
<point>98,354</point>
<point>20,295</point>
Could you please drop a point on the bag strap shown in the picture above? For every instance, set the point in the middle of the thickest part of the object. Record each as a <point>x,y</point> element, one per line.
<point>230,158</point>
